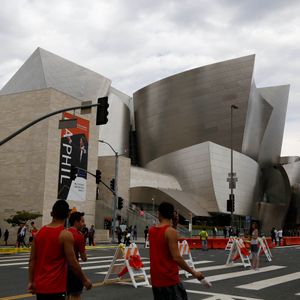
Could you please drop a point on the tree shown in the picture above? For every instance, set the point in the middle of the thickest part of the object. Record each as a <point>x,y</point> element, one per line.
<point>22,217</point>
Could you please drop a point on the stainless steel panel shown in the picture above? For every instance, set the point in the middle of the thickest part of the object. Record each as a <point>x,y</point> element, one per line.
<point>193,107</point>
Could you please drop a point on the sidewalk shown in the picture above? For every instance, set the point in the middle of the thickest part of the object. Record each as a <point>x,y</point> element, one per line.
<point>11,249</point>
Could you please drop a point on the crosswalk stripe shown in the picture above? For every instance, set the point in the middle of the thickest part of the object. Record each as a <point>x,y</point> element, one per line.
<point>13,256</point>
<point>148,268</point>
<point>237,274</point>
<point>262,284</point>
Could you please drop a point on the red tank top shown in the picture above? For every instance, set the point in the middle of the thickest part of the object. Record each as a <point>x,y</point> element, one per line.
<point>50,272</point>
<point>163,269</point>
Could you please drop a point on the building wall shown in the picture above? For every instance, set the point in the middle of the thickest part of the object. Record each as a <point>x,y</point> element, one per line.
<point>193,107</point>
<point>203,170</point>
<point>104,204</point>
<point>30,161</point>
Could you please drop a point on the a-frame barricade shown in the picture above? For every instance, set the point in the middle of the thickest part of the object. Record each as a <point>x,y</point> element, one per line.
<point>185,252</point>
<point>238,251</point>
<point>229,244</point>
<point>132,264</point>
<point>147,244</point>
<point>264,248</point>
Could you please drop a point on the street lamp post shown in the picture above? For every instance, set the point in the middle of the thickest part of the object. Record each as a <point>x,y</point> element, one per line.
<point>115,190</point>
<point>233,178</point>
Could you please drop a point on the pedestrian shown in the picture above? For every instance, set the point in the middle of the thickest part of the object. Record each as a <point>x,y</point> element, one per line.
<point>230,231</point>
<point>74,283</point>
<point>279,236</point>
<point>85,232</point>
<point>33,231</point>
<point>134,237</point>
<point>165,258</point>
<point>51,250</point>
<point>215,231</point>
<point>6,235</point>
<point>146,233</point>
<point>254,247</point>
<point>21,235</point>
<point>225,232</point>
<point>92,235</point>
<point>203,237</point>
<point>273,235</point>
<point>119,234</point>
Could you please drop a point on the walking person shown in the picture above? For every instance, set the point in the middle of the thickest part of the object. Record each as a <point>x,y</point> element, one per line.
<point>134,236</point>
<point>273,235</point>
<point>203,237</point>
<point>51,250</point>
<point>165,258</point>
<point>146,231</point>
<point>33,231</point>
<point>74,283</point>
<point>92,235</point>
<point>6,235</point>
<point>279,236</point>
<point>254,247</point>
<point>225,232</point>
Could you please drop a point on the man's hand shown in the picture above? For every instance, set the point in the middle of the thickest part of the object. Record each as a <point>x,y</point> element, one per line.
<point>87,283</point>
<point>31,288</point>
<point>198,275</point>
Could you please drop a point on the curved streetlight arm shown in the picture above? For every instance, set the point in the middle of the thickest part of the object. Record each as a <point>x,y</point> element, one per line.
<point>101,141</point>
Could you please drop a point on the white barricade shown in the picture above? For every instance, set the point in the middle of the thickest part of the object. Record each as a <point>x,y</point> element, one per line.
<point>132,264</point>
<point>264,248</point>
<point>185,252</point>
<point>238,251</point>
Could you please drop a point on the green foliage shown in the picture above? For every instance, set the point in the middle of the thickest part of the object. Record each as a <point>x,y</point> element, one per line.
<point>22,217</point>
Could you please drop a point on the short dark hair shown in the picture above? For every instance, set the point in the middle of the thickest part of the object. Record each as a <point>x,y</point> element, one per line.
<point>60,210</point>
<point>75,216</point>
<point>166,210</point>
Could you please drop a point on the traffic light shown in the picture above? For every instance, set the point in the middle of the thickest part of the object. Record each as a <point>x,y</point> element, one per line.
<point>112,184</point>
<point>231,203</point>
<point>73,172</point>
<point>102,111</point>
<point>98,176</point>
<point>120,202</point>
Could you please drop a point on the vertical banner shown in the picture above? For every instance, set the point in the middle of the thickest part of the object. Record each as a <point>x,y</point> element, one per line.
<point>73,153</point>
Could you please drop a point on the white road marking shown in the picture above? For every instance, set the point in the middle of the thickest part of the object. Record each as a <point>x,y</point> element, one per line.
<point>237,274</point>
<point>262,284</point>
<point>148,268</point>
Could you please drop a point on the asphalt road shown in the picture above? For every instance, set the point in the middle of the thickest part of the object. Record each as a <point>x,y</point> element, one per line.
<point>278,279</point>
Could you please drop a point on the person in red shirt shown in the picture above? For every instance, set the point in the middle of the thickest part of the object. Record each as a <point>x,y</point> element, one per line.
<point>165,258</point>
<point>74,283</point>
<point>51,250</point>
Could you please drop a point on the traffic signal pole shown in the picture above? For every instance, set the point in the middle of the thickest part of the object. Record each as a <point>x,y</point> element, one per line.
<point>115,200</point>
<point>43,118</point>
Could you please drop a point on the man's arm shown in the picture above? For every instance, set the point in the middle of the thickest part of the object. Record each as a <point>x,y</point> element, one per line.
<point>82,249</point>
<point>172,240</point>
<point>32,259</point>
<point>67,240</point>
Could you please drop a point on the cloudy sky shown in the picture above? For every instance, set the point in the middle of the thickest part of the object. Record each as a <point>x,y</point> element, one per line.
<point>136,42</point>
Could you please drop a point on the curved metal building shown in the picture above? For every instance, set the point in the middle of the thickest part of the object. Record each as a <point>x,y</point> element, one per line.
<point>183,126</point>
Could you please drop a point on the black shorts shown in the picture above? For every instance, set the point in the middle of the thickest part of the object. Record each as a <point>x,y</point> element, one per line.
<point>254,248</point>
<point>74,284</point>
<point>59,296</point>
<point>170,292</point>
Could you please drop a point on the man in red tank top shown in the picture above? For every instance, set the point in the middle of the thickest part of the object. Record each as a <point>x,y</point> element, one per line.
<point>51,250</point>
<point>165,258</point>
<point>74,283</point>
